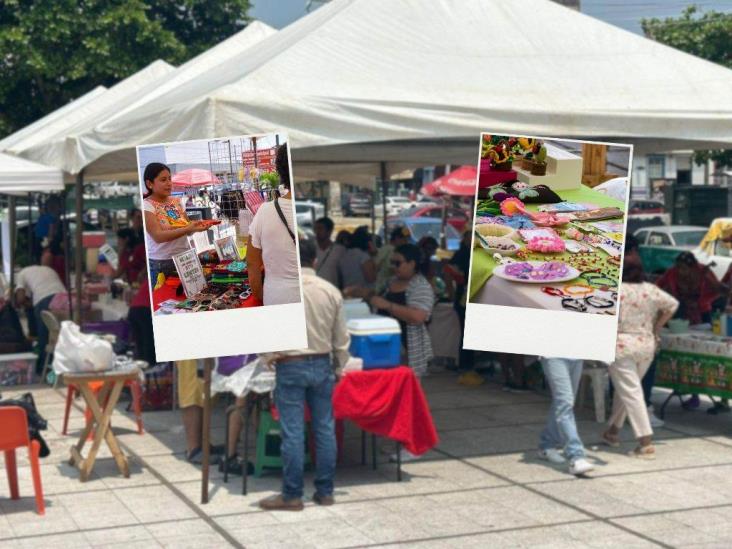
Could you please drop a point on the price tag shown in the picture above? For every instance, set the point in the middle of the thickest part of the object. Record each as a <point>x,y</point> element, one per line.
<point>190,272</point>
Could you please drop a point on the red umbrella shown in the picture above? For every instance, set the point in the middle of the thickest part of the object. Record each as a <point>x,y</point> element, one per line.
<point>460,182</point>
<point>194,177</point>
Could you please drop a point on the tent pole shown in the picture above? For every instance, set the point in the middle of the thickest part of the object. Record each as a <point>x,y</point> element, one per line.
<point>31,232</point>
<point>384,187</point>
<point>78,263</point>
<point>373,210</point>
<point>12,227</point>
<point>67,249</point>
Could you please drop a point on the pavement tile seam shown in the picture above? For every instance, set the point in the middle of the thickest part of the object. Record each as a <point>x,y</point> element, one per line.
<point>467,535</point>
<point>563,503</point>
<point>627,474</point>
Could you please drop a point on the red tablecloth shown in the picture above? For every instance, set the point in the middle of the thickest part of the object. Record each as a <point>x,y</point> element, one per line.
<point>167,291</point>
<point>388,403</point>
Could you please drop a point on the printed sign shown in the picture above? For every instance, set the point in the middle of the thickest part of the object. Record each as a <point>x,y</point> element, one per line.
<point>201,242</point>
<point>226,249</point>
<point>110,254</point>
<point>190,272</point>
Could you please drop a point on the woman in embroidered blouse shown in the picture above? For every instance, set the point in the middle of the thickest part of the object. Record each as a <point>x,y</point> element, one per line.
<point>644,310</point>
<point>166,224</point>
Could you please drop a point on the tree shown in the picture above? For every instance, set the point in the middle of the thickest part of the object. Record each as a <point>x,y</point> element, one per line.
<point>53,51</point>
<point>705,34</point>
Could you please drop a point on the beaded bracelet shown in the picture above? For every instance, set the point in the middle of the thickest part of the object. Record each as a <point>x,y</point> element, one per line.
<point>585,289</point>
<point>598,280</point>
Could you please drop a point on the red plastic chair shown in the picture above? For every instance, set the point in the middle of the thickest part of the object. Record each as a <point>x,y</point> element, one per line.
<point>14,434</point>
<point>136,390</point>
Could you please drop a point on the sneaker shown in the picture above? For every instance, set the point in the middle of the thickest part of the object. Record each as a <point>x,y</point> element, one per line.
<point>405,456</point>
<point>552,455</point>
<point>580,466</point>
<point>323,500</point>
<point>279,503</point>
<point>656,422</point>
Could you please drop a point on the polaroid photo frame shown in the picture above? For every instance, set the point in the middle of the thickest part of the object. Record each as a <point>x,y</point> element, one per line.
<point>529,318</point>
<point>183,333</point>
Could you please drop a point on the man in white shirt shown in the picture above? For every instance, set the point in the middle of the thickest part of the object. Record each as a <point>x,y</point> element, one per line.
<point>272,245</point>
<point>307,376</point>
<point>329,252</point>
<point>37,285</point>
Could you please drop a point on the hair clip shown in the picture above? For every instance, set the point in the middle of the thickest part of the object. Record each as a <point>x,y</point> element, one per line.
<point>552,291</point>
<point>599,302</point>
<point>573,304</point>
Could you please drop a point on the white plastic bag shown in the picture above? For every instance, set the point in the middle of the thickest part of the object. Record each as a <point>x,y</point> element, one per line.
<point>77,352</point>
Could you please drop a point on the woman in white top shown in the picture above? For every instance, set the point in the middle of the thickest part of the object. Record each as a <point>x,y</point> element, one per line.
<point>271,245</point>
<point>166,225</point>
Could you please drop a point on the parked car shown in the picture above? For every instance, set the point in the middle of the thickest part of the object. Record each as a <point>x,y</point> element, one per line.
<point>645,207</point>
<point>307,212</point>
<point>420,227</point>
<point>357,204</point>
<point>455,216</point>
<point>660,245</point>
<point>713,250</point>
<point>395,204</point>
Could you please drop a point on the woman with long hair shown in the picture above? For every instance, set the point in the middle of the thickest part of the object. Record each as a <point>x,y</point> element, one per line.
<point>644,310</point>
<point>166,224</point>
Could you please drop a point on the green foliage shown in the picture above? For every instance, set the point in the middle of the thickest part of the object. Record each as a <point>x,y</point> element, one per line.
<point>705,34</point>
<point>53,51</point>
<point>269,180</point>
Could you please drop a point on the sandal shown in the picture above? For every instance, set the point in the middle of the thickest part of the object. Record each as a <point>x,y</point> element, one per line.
<point>644,452</point>
<point>611,440</point>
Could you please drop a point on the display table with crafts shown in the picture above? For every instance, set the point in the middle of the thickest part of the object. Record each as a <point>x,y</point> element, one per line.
<point>695,363</point>
<point>549,248</point>
<point>227,287</point>
<point>101,403</point>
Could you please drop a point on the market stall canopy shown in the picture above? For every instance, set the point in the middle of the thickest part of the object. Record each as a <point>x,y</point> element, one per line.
<point>54,145</point>
<point>38,126</point>
<point>193,177</point>
<point>63,148</point>
<point>19,176</point>
<point>460,182</point>
<point>358,79</point>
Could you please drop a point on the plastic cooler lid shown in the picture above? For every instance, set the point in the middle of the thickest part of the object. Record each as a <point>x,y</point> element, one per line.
<point>373,324</point>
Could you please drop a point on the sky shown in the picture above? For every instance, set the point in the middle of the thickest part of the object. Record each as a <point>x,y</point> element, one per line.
<point>623,13</point>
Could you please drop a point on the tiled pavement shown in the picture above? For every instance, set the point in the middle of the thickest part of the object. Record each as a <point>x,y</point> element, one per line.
<point>482,487</point>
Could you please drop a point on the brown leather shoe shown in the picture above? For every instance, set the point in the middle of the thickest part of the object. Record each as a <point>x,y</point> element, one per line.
<point>323,500</point>
<point>279,503</point>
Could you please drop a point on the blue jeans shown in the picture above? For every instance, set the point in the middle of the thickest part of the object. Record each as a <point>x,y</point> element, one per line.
<point>563,376</point>
<point>42,331</point>
<point>308,380</point>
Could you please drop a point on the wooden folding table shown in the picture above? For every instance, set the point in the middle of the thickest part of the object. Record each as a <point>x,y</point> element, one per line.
<point>102,405</point>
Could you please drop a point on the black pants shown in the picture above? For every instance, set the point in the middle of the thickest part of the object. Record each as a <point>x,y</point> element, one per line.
<point>140,321</point>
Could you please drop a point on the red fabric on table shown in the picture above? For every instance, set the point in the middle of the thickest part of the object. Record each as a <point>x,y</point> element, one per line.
<point>488,177</point>
<point>388,403</point>
<point>167,291</point>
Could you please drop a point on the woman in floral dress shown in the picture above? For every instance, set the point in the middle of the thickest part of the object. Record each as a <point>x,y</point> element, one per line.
<point>644,310</point>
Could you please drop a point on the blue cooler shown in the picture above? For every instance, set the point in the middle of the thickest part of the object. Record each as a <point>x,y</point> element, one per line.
<point>377,340</point>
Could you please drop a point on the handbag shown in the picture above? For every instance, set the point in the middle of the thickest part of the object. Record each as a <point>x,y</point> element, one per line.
<point>282,218</point>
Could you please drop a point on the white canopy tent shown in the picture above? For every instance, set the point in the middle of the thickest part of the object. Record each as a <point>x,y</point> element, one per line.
<point>153,83</point>
<point>19,176</point>
<point>37,126</point>
<point>404,81</point>
<point>50,145</point>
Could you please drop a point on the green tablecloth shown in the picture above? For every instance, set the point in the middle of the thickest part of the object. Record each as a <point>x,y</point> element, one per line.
<point>483,263</point>
<point>694,374</point>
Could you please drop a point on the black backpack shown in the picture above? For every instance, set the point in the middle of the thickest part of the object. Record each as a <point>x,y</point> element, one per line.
<point>36,422</point>
<point>12,338</point>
